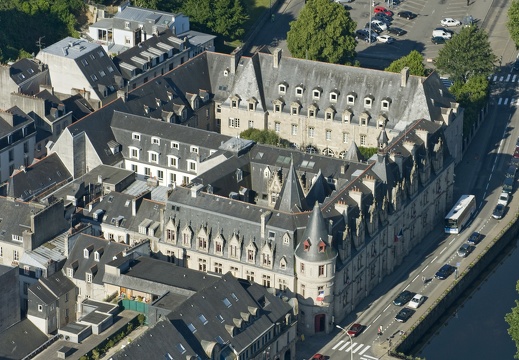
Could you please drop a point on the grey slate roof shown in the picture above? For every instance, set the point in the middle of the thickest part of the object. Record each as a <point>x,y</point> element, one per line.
<point>316,232</point>
<point>23,69</point>
<point>110,250</point>
<point>19,120</point>
<point>20,340</point>
<point>291,197</point>
<point>36,179</point>
<point>79,106</point>
<point>16,217</point>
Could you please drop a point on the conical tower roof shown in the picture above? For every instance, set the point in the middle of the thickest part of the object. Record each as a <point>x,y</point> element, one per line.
<point>291,197</point>
<point>353,153</point>
<point>314,246</point>
<point>319,190</point>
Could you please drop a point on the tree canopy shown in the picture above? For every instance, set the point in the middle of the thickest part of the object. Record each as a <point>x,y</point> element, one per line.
<point>512,319</point>
<point>24,22</point>
<point>413,60</point>
<point>470,44</point>
<point>224,17</point>
<point>472,96</point>
<point>324,31</point>
<point>513,21</point>
<point>269,137</point>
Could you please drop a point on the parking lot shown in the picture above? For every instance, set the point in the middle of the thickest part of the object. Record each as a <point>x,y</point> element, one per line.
<point>418,30</point>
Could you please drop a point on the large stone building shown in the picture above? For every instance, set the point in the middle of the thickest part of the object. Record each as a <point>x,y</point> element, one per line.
<point>325,229</point>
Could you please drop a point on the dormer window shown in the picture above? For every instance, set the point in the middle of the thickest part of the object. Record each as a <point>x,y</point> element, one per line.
<point>299,90</point>
<point>350,99</point>
<point>364,119</point>
<point>328,115</point>
<point>194,149</point>
<point>384,104</point>
<point>312,111</point>
<point>126,24</point>
<point>368,101</point>
<point>334,96</point>
<point>322,246</point>
<point>235,102</point>
<point>155,140</point>
<point>86,253</point>
<point>174,145</point>
<point>316,93</point>
<point>282,88</point>
<point>306,245</point>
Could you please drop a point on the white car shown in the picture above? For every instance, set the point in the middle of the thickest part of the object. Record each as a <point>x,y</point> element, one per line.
<point>504,198</point>
<point>416,301</point>
<point>450,22</point>
<point>380,24</point>
<point>385,39</point>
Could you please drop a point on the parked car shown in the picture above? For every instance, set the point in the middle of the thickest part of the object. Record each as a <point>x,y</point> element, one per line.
<point>511,171</point>
<point>317,357</point>
<point>396,31</point>
<point>364,35</point>
<point>385,39</point>
<point>450,22</point>
<point>508,185</point>
<point>475,238</point>
<point>355,330</point>
<point>499,211</point>
<point>464,250</point>
<point>407,15</point>
<point>438,40</point>
<point>381,9</point>
<point>416,301</point>
<point>504,198</point>
<point>383,17</point>
<point>403,298</point>
<point>441,33</point>
<point>404,314</point>
<point>515,157</point>
<point>374,27</point>
<point>444,272</point>
<point>380,24</point>
<point>445,29</point>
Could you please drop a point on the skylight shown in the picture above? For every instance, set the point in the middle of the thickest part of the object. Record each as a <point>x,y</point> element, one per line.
<point>202,319</point>
<point>226,302</point>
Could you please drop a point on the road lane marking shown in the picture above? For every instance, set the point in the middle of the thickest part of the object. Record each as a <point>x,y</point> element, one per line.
<point>425,268</point>
<point>339,344</point>
<point>450,242</point>
<point>433,260</point>
<point>343,346</point>
<point>379,316</point>
<point>508,78</point>
<point>445,248</point>
<point>495,78</point>
<point>370,357</point>
<point>357,348</point>
<point>365,349</point>
<point>501,78</point>
<point>406,287</point>
<point>513,79</point>
<point>351,347</point>
<point>506,101</point>
<point>499,101</point>
<point>415,278</point>
<point>387,307</point>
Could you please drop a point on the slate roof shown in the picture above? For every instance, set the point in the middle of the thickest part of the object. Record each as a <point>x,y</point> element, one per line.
<point>91,59</point>
<point>23,69</point>
<point>20,340</point>
<point>148,214</point>
<point>291,197</point>
<point>49,289</point>
<point>36,179</point>
<point>51,251</point>
<point>110,250</point>
<point>15,218</point>
<point>117,208</point>
<point>79,106</point>
<point>19,120</point>
<point>159,342</point>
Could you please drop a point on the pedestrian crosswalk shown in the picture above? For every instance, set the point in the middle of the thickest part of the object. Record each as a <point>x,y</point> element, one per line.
<point>354,348</point>
<point>512,78</point>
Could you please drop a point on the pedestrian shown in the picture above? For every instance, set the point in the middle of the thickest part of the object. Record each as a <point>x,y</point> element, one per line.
<point>423,279</point>
<point>468,2</point>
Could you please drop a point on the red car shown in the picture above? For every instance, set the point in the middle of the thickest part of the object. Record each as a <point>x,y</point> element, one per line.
<point>317,357</point>
<point>355,330</point>
<point>383,10</point>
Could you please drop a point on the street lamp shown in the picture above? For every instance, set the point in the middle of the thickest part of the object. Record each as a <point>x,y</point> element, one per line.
<point>346,332</point>
<point>371,4</point>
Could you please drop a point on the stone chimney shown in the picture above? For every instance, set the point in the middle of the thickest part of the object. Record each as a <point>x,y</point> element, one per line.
<point>264,218</point>
<point>235,58</point>
<point>404,76</point>
<point>276,57</point>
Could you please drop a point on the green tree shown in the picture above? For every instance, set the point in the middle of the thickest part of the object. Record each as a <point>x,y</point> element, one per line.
<point>472,96</point>
<point>470,44</point>
<point>268,137</point>
<point>223,17</point>
<point>413,60</point>
<point>513,21</point>
<point>512,319</point>
<point>324,31</point>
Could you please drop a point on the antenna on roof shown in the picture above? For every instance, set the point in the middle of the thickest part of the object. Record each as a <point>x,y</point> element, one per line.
<point>39,44</point>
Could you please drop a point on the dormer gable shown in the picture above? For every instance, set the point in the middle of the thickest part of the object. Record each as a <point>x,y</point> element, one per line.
<point>334,95</point>
<point>317,92</point>
<point>282,88</point>
<point>299,90</point>
<point>98,253</point>
<point>87,251</point>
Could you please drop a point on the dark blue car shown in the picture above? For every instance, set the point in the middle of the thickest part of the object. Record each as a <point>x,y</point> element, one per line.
<point>444,272</point>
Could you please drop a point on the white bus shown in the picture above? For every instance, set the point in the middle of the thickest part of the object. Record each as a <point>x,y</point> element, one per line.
<point>460,214</point>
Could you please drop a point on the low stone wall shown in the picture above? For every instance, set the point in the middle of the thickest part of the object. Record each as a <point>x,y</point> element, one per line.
<point>465,279</point>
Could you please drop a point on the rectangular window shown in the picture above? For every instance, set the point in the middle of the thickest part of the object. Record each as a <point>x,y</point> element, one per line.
<point>160,175</point>
<point>173,162</point>
<point>88,278</point>
<point>321,270</point>
<point>251,124</point>
<point>266,280</point>
<point>218,268</point>
<point>294,129</point>
<point>277,127</point>
<point>154,157</point>
<point>147,171</point>
<point>363,140</point>
<point>16,255</point>
<point>134,153</point>
<point>302,268</point>
<point>345,137</point>
<point>328,135</point>
<point>311,132</point>
<point>250,276</point>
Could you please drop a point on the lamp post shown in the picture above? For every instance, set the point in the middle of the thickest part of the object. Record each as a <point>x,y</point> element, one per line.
<point>346,332</point>
<point>371,4</point>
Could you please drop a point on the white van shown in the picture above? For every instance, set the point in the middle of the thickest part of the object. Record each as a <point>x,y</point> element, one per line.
<point>442,34</point>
